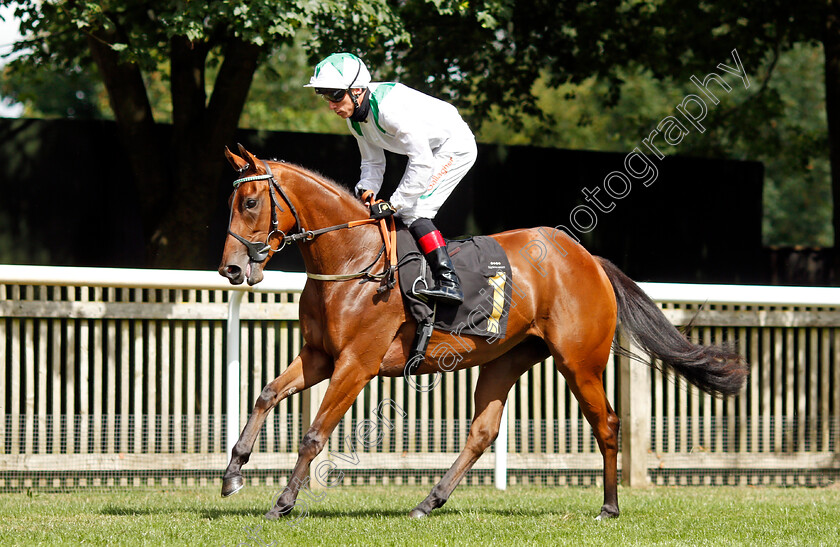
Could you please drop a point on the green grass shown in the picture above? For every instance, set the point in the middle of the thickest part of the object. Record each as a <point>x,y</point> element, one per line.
<point>474,516</point>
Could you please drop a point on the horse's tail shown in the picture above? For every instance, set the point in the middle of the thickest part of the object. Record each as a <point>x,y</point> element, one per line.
<point>714,369</point>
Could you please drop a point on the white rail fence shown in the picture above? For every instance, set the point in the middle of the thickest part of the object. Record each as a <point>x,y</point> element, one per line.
<point>128,377</point>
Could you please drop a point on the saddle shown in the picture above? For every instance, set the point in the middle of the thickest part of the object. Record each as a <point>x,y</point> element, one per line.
<point>486,278</point>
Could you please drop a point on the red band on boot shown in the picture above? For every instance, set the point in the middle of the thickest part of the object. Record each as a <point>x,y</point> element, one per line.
<point>430,242</point>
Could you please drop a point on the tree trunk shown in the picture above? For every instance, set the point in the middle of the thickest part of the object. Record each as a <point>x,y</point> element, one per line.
<point>831,46</point>
<point>177,184</point>
<point>182,239</point>
<point>135,123</point>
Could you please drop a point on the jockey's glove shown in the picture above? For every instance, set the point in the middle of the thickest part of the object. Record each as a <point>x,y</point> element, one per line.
<point>381,209</point>
<point>365,195</point>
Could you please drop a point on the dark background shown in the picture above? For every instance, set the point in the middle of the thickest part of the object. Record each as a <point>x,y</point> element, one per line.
<point>68,198</point>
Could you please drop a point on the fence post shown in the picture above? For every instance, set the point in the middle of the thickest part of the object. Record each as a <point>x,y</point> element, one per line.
<point>501,445</point>
<point>232,376</point>
<point>635,418</point>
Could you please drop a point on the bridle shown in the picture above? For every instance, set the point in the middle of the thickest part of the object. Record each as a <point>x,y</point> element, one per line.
<point>258,251</point>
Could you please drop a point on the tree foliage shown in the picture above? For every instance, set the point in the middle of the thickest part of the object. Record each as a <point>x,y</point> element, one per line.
<point>784,127</point>
<point>518,67</point>
<point>192,63</point>
<point>129,41</point>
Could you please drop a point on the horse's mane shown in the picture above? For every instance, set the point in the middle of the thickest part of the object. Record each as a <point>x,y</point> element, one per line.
<point>318,177</point>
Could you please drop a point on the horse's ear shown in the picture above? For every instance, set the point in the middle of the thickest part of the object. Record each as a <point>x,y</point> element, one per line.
<point>238,163</point>
<point>252,159</point>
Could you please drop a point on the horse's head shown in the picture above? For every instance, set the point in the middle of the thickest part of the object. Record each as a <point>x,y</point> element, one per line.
<point>260,217</point>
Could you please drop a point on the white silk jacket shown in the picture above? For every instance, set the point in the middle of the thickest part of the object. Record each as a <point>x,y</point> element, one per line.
<point>405,121</point>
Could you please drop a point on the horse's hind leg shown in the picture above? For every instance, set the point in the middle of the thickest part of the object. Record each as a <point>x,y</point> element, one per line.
<point>308,368</point>
<point>585,379</point>
<point>491,392</point>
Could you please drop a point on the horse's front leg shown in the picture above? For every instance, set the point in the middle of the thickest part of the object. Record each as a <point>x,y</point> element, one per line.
<point>310,367</point>
<point>345,385</point>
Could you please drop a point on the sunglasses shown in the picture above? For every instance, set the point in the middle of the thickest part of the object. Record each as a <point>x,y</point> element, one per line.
<point>332,95</point>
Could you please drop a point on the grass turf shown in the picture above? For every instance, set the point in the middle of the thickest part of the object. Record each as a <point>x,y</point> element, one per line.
<point>365,515</point>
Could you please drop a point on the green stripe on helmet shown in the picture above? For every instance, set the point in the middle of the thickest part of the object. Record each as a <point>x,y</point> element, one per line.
<point>337,61</point>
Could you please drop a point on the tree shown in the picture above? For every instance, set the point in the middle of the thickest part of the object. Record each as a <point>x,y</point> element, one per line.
<point>278,101</point>
<point>485,56</point>
<point>691,34</point>
<point>47,93</point>
<point>128,40</point>
<point>488,54</point>
<point>784,127</point>
<point>493,53</point>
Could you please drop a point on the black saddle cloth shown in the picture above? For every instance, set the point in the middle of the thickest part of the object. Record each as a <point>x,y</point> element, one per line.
<point>486,277</point>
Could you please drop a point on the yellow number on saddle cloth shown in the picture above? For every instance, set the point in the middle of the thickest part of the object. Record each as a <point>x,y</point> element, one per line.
<point>498,284</point>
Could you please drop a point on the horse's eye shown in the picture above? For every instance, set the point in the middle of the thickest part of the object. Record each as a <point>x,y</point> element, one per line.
<point>250,203</point>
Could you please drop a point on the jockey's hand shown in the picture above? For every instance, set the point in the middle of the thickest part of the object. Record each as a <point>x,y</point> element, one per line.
<point>364,194</point>
<point>382,209</point>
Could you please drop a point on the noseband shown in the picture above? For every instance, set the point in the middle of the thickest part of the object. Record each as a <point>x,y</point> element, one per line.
<point>258,251</point>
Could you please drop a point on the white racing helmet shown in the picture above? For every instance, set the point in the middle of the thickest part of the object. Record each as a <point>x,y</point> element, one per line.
<point>340,71</point>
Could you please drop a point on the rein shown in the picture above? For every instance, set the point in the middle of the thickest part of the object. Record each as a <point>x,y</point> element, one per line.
<point>258,251</point>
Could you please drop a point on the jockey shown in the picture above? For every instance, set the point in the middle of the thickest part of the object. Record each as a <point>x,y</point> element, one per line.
<point>439,145</point>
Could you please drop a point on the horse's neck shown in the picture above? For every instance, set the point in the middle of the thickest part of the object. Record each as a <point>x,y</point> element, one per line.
<point>320,205</point>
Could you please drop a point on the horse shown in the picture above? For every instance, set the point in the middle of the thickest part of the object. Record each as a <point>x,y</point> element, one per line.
<point>570,307</point>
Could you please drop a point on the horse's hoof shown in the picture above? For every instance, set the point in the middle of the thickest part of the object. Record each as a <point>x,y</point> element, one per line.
<point>277,512</point>
<point>232,485</point>
<point>417,514</point>
<point>607,513</point>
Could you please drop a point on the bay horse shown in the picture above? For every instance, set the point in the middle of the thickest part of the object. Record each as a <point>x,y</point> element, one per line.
<point>354,331</point>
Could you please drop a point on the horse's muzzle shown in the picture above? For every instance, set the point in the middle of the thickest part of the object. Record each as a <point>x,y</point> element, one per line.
<point>252,273</point>
<point>233,273</point>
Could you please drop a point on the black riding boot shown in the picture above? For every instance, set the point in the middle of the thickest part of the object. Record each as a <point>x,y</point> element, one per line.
<point>447,287</point>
